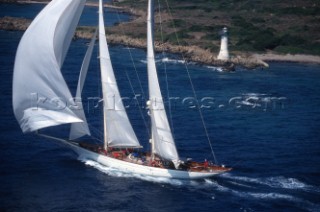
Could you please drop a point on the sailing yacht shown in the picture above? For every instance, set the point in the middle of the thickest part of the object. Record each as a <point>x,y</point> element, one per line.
<point>37,76</point>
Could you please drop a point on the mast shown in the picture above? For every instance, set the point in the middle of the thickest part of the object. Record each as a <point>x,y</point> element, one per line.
<point>150,55</point>
<point>105,134</point>
<point>101,37</point>
<point>118,131</point>
<point>162,140</point>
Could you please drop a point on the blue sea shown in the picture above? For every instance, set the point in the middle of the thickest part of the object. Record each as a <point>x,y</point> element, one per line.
<point>264,123</point>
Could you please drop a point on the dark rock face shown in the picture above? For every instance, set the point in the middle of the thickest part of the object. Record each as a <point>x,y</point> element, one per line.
<point>10,23</point>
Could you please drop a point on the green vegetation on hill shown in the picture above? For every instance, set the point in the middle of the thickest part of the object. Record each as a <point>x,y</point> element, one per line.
<point>287,26</point>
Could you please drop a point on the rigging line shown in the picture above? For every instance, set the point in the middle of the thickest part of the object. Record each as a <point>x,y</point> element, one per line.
<point>141,113</point>
<point>165,71</point>
<point>138,77</point>
<point>193,90</point>
<point>131,57</point>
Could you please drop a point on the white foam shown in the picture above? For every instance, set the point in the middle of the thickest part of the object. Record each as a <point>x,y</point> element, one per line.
<point>213,184</point>
<point>282,182</point>
<point>271,196</point>
<point>274,182</point>
<point>241,184</point>
<point>213,68</point>
<point>166,60</point>
<point>174,61</point>
<point>210,182</point>
<point>244,194</point>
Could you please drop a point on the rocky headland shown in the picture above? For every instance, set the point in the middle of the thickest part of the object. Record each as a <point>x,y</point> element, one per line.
<point>191,52</point>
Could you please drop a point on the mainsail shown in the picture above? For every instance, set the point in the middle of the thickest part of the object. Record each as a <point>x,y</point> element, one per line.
<point>46,100</point>
<point>118,130</point>
<point>163,142</point>
<point>80,129</point>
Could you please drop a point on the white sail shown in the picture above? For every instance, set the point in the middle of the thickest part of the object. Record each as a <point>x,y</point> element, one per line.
<point>118,130</point>
<point>41,97</point>
<point>162,137</point>
<point>80,129</point>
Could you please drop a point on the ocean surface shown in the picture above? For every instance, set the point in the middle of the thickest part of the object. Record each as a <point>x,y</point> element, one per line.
<point>264,123</point>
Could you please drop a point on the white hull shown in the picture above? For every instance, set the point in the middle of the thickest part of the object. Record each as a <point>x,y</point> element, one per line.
<point>133,168</point>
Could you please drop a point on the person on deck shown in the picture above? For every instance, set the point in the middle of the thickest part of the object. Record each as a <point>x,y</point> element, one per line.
<point>205,164</point>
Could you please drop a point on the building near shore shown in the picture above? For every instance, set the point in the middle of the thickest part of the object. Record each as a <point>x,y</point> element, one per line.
<point>224,52</point>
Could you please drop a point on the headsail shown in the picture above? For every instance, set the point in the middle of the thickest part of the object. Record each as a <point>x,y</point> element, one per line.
<point>41,97</point>
<point>162,137</point>
<point>118,130</point>
<point>80,129</point>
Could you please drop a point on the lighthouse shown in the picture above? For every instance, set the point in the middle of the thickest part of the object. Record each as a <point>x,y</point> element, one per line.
<point>224,53</point>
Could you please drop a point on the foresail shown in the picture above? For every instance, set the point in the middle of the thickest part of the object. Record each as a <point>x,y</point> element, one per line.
<point>80,129</point>
<point>119,130</point>
<point>41,97</point>
<point>162,137</point>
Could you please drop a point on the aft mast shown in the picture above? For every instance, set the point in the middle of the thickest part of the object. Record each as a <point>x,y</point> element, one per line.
<point>101,37</point>
<point>162,140</point>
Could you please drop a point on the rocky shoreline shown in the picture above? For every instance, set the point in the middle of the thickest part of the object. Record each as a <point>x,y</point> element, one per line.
<point>189,53</point>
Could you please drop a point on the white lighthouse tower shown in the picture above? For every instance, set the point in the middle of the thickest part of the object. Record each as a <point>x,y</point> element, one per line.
<point>224,53</point>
